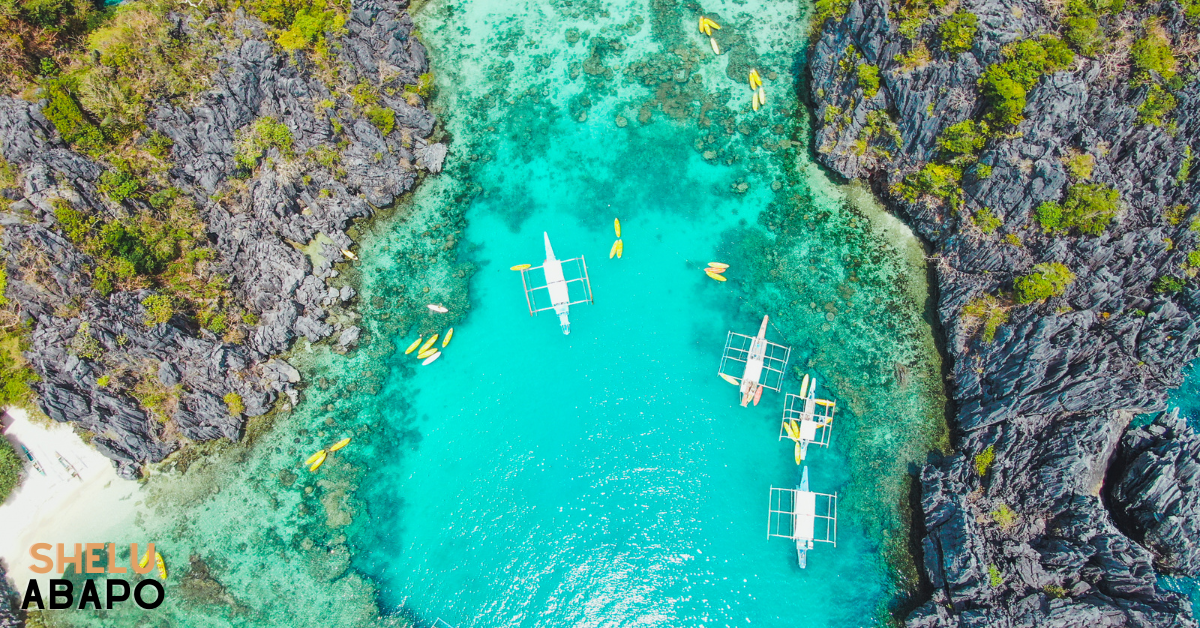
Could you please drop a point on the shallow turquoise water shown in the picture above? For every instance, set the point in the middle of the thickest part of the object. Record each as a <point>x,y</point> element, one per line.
<point>606,478</point>
<point>609,477</point>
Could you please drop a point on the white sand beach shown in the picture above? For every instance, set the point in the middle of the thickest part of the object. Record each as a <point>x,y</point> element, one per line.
<point>57,507</point>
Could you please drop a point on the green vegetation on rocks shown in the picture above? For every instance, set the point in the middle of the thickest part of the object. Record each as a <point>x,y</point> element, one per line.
<point>1006,84</point>
<point>15,374</point>
<point>868,79</point>
<point>1004,516</point>
<point>1047,280</point>
<point>1159,104</point>
<point>958,32</point>
<point>1169,284</point>
<point>984,459</point>
<point>987,221</point>
<point>964,140</point>
<point>940,181</point>
<point>234,402</point>
<point>11,465</point>
<point>1088,209</point>
<point>262,134</point>
<point>1152,54</point>
<point>989,313</point>
<point>159,308</point>
<point>995,578</point>
<point>1079,165</point>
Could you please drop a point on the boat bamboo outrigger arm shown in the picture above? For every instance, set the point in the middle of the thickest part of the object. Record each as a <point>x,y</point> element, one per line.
<point>806,419</point>
<point>802,516</point>
<point>557,286</point>
<point>763,363</point>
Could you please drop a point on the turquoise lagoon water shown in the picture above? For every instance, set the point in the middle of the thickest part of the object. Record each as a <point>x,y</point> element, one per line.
<point>608,477</point>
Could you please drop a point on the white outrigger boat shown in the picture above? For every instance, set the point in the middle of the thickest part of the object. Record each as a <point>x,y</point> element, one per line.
<point>802,516</point>
<point>806,419</point>
<point>557,286</point>
<point>763,363</point>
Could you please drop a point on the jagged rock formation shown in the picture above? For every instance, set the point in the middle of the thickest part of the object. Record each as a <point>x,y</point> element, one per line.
<point>1154,487</point>
<point>10,604</point>
<point>1026,540</point>
<point>256,228</point>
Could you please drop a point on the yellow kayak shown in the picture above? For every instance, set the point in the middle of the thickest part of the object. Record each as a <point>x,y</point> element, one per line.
<point>795,427</point>
<point>718,265</point>
<point>754,102</point>
<point>825,402</point>
<point>320,460</point>
<point>804,386</point>
<point>715,47</point>
<point>703,27</point>
<point>429,343</point>
<point>762,96</point>
<point>755,79</point>
<point>162,565</point>
<point>617,226</point>
<point>338,445</point>
<point>431,359</point>
<point>729,378</point>
<point>712,24</point>
<point>520,267</point>
<point>426,353</point>
<point>313,458</point>
<point>714,276</point>
<point>799,454</point>
<point>613,251</point>
<point>620,249</point>
<point>449,335</point>
<point>349,254</point>
<point>787,428</point>
<point>413,347</point>
<point>145,560</point>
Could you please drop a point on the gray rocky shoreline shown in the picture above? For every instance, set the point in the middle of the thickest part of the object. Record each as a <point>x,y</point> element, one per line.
<point>1050,513</point>
<point>278,236</point>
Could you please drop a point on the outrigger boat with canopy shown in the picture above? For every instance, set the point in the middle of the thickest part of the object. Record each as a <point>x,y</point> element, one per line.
<point>763,363</point>
<point>803,516</point>
<point>806,419</point>
<point>557,287</point>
